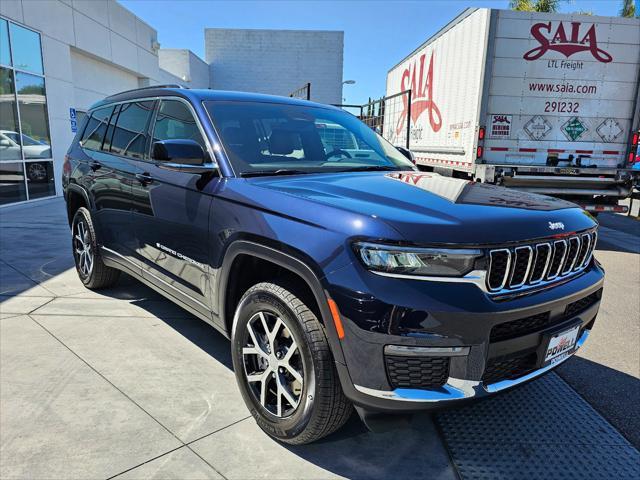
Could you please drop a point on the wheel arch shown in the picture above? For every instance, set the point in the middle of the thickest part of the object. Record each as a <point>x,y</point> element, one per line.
<point>76,197</point>
<point>250,249</point>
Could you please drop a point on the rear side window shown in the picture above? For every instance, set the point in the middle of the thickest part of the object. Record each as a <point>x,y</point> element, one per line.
<point>175,121</point>
<point>130,132</point>
<point>96,128</point>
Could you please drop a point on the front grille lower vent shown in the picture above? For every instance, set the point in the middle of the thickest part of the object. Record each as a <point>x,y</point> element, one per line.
<point>417,372</point>
<point>519,327</point>
<point>582,304</point>
<point>509,367</point>
<point>528,265</point>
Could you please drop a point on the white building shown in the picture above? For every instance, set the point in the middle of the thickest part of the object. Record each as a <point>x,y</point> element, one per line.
<point>276,61</point>
<point>57,57</point>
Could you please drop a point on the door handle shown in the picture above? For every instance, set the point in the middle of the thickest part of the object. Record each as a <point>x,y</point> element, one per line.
<point>95,165</point>
<point>144,178</point>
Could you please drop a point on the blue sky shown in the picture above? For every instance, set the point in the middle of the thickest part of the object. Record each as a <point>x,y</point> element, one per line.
<point>377,34</point>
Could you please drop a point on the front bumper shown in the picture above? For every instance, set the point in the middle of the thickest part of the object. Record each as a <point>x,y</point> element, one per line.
<point>453,318</point>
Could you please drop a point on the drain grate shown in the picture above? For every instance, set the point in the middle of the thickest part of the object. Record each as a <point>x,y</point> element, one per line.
<point>541,430</point>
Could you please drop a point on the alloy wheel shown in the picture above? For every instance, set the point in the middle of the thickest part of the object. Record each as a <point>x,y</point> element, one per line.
<point>273,364</point>
<point>82,249</point>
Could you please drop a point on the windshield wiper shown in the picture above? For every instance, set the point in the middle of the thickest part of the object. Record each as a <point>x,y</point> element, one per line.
<point>371,168</point>
<point>265,173</point>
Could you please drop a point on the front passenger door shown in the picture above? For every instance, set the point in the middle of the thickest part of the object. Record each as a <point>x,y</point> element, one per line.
<point>171,213</point>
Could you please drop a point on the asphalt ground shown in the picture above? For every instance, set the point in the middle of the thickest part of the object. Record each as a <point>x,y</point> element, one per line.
<point>122,383</point>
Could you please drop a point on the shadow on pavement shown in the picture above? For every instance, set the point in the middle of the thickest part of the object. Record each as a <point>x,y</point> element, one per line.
<point>614,394</point>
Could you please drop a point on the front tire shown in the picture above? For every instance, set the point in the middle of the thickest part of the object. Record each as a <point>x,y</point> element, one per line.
<point>89,265</point>
<point>284,367</point>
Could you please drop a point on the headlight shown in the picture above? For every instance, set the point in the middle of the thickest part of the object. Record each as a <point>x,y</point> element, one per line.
<point>440,262</point>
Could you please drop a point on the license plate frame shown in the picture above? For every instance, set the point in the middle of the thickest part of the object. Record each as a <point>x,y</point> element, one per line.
<point>565,340</point>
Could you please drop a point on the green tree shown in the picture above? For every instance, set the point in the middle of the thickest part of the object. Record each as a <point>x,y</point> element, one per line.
<point>628,9</point>
<point>549,6</point>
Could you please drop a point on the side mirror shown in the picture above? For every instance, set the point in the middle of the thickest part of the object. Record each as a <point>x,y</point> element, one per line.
<point>178,151</point>
<point>407,153</point>
<point>5,143</point>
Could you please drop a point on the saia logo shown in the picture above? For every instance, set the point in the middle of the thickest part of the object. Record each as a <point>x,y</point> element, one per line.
<point>566,45</point>
<point>421,86</point>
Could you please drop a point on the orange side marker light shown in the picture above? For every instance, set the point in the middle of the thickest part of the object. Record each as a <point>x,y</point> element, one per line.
<point>335,313</point>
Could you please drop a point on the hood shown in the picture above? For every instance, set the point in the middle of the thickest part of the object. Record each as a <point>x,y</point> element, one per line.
<point>427,207</point>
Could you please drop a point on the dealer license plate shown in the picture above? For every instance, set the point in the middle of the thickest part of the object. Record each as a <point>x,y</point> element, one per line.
<point>561,345</point>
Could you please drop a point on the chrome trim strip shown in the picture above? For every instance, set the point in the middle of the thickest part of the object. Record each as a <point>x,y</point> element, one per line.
<point>496,387</point>
<point>454,389</point>
<point>546,263</point>
<point>566,270</point>
<point>477,277</point>
<point>143,271</point>
<point>416,351</point>
<point>457,388</point>
<point>506,272</point>
<point>564,256</point>
<point>515,264</point>
<point>593,247</point>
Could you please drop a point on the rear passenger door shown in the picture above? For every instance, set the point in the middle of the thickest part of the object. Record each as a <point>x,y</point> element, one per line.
<point>171,213</point>
<point>108,181</point>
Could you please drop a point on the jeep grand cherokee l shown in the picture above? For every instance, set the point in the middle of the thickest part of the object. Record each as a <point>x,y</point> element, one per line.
<point>342,275</point>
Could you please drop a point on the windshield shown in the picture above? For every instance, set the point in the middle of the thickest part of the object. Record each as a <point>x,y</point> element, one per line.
<point>270,138</point>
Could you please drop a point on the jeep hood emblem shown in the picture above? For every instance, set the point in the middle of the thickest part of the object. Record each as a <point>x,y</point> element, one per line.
<point>556,225</point>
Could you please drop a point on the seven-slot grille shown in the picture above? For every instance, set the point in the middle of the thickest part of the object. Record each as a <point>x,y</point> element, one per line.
<point>528,265</point>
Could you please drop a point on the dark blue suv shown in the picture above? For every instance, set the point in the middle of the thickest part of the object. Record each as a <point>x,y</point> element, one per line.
<point>342,274</point>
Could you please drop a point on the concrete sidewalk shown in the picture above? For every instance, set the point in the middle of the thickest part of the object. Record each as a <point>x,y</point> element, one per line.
<point>123,383</point>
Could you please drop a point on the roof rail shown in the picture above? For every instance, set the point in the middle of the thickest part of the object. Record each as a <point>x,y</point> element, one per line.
<point>150,87</point>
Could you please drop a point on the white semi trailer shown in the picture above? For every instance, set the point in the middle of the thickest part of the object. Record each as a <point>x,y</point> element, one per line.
<point>546,103</point>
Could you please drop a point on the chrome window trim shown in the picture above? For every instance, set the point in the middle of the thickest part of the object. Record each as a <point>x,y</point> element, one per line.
<point>506,272</point>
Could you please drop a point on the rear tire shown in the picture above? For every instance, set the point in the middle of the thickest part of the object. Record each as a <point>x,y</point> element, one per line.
<point>294,392</point>
<point>89,265</point>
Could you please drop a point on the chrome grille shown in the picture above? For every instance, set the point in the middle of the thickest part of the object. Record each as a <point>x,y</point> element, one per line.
<point>523,266</point>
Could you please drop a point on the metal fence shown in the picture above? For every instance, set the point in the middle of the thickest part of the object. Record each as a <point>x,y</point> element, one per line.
<point>303,92</point>
<point>389,116</point>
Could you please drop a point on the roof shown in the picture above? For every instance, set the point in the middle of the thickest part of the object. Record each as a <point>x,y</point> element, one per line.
<point>199,95</point>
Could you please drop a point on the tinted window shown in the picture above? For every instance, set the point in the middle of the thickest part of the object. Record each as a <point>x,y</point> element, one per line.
<point>267,137</point>
<point>5,54</point>
<point>175,121</point>
<point>25,46</point>
<point>32,105</point>
<point>129,136</point>
<point>9,139</point>
<point>96,128</point>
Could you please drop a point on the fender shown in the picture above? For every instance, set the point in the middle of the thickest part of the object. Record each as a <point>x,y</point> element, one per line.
<point>74,187</point>
<point>287,262</point>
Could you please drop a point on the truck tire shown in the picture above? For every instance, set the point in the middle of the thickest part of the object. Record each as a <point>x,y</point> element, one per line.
<point>93,273</point>
<point>284,367</point>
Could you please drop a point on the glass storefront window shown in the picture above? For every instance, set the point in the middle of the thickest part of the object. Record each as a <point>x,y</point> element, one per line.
<point>32,103</point>
<point>5,53</point>
<point>40,180</point>
<point>25,47</point>
<point>26,168</point>
<point>9,137</point>
<point>12,187</point>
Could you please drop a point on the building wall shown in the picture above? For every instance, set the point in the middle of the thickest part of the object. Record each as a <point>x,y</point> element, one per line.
<point>276,61</point>
<point>184,64</point>
<point>91,49</point>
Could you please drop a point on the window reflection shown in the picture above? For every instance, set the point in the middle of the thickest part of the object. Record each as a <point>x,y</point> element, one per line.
<point>40,180</point>
<point>12,183</point>
<point>5,54</point>
<point>25,46</point>
<point>32,103</point>
<point>9,139</point>
<point>129,137</point>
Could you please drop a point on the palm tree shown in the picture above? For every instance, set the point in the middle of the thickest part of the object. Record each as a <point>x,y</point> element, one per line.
<point>628,9</point>
<point>549,6</point>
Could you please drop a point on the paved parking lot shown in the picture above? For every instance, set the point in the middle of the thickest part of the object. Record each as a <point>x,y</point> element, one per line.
<point>123,383</point>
